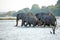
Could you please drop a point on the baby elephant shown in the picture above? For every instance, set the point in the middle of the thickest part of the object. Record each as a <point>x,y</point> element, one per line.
<point>31,20</point>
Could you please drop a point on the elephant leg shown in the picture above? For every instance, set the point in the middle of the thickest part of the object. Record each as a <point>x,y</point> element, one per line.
<point>34,24</point>
<point>29,24</point>
<point>26,24</point>
<point>16,22</point>
<point>44,24</point>
<point>22,23</point>
<point>54,26</point>
<point>54,30</point>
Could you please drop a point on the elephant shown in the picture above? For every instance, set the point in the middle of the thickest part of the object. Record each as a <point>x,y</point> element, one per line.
<point>47,19</point>
<point>26,18</point>
<point>31,20</point>
<point>21,16</point>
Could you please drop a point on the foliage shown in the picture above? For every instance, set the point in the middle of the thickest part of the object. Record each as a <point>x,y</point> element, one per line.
<point>55,9</point>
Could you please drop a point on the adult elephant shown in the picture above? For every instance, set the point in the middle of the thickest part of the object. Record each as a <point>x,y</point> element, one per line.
<point>47,19</point>
<point>21,16</point>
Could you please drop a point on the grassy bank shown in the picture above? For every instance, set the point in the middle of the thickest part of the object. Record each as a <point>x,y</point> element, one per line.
<point>7,18</point>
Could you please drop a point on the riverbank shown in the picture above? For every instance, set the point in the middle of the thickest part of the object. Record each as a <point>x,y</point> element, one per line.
<point>7,18</point>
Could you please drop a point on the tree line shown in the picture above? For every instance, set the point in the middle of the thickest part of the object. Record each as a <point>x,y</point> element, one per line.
<point>55,9</point>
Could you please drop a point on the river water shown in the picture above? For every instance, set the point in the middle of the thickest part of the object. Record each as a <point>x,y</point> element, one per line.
<point>8,31</point>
